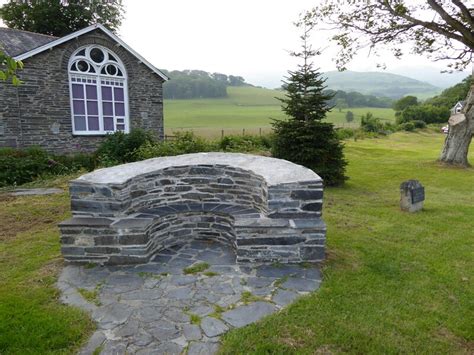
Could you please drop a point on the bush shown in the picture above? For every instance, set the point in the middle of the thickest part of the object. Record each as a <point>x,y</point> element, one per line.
<point>419,124</point>
<point>407,126</point>
<point>21,166</point>
<point>245,143</point>
<point>119,147</point>
<point>312,144</point>
<point>184,143</point>
<point>369,123</point>
<point>345,133</point>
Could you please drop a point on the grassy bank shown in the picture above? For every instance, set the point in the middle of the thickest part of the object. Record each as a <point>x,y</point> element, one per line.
<point>393,282</point>
<point>245,107</point>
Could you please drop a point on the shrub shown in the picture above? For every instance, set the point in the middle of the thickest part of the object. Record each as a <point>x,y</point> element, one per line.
<point>419,124</point>
<point>245,143</point>
<point>312,144</point>
<point>408,126</point>
<point>183,143</point>
<point>345,133</point>
<point>119,147</point>
<point>21,166</point>
<point>369,123</point>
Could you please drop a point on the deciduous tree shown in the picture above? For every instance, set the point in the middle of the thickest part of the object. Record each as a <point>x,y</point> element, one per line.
<point>439,29</point>
<point>61,17</point>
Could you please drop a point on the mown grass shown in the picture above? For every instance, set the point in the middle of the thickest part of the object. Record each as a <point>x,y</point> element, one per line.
<point>246,108</point>
<point>32,320</point>
<point>393,282</point>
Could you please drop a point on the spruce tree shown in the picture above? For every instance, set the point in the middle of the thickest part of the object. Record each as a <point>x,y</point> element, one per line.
<point>303,138</point>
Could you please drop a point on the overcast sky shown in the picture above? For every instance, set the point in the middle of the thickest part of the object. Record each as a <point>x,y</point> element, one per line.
<point>246,37</point>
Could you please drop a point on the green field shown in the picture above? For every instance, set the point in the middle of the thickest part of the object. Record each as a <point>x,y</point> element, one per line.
<point>246,108</point>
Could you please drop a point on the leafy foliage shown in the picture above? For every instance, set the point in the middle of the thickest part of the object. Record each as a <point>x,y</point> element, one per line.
<point>452,95</point>
<point>369,123</point>
<point>441,30</point>
<point>304,139</point>
<point>405,102</point>
<point>8,68</point>
<point>192,84</point>
<point>183,143</point>
<point>349,116</point>
<point>61,17</point>
<point>342,99</point>
<point>245,143</point>
<point>425,113</point>
<point>21,166</point>
<point>119,147</point>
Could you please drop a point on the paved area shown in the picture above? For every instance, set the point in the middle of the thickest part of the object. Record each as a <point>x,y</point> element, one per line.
<point>183,301</point>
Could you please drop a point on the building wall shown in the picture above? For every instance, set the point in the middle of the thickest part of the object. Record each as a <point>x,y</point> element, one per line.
<point>38,111</point>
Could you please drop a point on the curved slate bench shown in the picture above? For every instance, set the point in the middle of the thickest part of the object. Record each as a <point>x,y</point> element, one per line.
<point>267,209</point>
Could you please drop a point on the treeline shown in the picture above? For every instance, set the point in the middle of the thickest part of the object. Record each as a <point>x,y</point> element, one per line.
<point>342,100</point>
<point>434,110</point>
<point>197,84</point>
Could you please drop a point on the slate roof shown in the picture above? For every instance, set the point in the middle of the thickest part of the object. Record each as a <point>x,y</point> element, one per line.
<point>16,42</point>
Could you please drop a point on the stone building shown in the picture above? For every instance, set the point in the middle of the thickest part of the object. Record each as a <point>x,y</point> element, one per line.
<point>76,89</point>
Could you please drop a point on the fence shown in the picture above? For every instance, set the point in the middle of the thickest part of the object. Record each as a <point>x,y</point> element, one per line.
<point>212,132</point>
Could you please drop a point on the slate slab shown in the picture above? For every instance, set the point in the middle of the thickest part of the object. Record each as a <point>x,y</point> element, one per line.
<point>244,315</point>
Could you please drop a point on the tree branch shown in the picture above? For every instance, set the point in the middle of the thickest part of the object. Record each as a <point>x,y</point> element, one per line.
<point>433,26</point>
<point>452,21</point>
<point>465,11</point>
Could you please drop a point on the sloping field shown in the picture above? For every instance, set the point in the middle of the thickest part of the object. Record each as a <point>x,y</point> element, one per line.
<point>246,108</point>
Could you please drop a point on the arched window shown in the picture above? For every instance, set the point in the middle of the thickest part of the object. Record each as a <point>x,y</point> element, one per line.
<point>98,87</point>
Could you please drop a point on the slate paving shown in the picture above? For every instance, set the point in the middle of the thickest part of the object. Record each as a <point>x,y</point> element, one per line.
<point>157,308</point>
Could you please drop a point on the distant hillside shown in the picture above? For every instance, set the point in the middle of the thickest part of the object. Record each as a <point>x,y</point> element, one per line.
<point>379,84</point>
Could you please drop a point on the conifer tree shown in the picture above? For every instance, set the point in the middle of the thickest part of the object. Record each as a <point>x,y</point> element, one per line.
<point>303,138</point>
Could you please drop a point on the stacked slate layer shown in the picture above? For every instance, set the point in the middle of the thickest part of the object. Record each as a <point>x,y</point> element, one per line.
<point>268,210</point>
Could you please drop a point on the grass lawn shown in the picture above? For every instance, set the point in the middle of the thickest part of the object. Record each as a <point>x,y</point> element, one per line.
<point>32,321</point>
<point>393,282</point>
<point>246,108</point>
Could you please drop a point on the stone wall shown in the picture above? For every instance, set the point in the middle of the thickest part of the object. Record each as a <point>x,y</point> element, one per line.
<point>129,222</point>
<point>38,111</point>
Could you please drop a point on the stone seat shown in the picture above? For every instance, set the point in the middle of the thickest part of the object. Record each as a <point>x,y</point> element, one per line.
<point>267,209</point>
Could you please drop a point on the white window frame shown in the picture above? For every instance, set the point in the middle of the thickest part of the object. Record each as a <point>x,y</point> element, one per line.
<point>99,78</point>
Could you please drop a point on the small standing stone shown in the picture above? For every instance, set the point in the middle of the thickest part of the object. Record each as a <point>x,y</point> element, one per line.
<point>412,195</point>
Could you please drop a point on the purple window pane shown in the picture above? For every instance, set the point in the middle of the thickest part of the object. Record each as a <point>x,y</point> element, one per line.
<point>93,122</point>
<point>119,109</point>
<point>77,91</point>
<point>80,123</point>
<point>120,127</point>
<point>107,108</point>
<point>106,93</point>
<point>118,94</point>
<point>78,106</point>
<point>91,92</point>
<point>92,108</point>
<point>108,123</point>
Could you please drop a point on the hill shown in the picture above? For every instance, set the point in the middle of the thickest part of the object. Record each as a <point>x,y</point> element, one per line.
<point>379,84</point>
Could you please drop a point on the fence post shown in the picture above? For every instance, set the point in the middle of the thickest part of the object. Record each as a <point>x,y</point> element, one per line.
<point>243,131</point>
<point>222,134</point>
<point>260,131</point>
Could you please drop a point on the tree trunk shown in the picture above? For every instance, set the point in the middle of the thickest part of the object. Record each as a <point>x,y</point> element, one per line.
<point>456,144</point>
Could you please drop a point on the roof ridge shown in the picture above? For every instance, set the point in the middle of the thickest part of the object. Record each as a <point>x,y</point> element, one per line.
<point>35,33</point>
